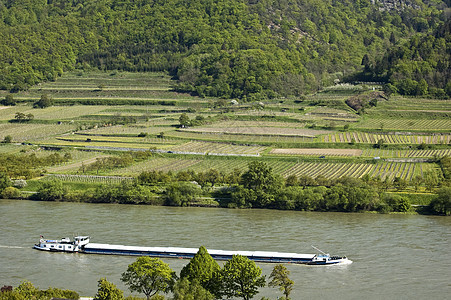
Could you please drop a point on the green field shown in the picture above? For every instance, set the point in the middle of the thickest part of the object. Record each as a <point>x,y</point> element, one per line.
<point>139,111</point>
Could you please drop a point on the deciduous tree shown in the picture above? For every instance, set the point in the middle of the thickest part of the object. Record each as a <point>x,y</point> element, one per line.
<point>241,278</point>
<point>149,276</point>
<point>203,268</point>
<point>279,278</point>
<point>108,291</point>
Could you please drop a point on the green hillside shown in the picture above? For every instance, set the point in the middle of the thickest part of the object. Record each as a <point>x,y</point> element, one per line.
<point>249,50</point>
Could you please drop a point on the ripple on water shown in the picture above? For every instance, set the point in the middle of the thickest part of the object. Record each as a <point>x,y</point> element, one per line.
<point>395,256</point>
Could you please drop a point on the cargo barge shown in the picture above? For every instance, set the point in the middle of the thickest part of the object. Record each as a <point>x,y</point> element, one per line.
<point>64,245</point>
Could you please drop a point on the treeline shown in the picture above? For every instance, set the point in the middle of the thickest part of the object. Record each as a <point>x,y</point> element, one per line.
<point>28,166</point>
<point>230,48</point>
<point>258,187</point>
<point>202,278</point>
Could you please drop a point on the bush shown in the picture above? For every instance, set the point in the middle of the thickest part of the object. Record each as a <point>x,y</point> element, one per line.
<point>10,193</point>
<point>181,193</point>
<point>44,102</point>
<point>8,101</point>
<point>398,203</point>
<point>51,191</point>
<point>442,203</point>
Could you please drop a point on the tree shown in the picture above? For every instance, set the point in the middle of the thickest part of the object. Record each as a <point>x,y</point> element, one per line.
<point>442,203</point>
<point>398,203</point>
<point>366,62</point>
<point>203,268</point>
<point>241,278</point>
<point>190,290</point>
<point>20,117</point>
<point>44,102</point>
<point>8,139</point>
<point>260,177</point>
<point>380,143</point>
<point>149,276</point>
<point>51,191</point>
<point>27,289</point>
<point>416,181</point>
<point>430,180</point>
<point>399,183</point>
<point>305,180</point>
<point>9,100</point>
<point>4,181</point>
<point>291,180</point>
<point>181,193</point>
<point>108,291</point>
<point>212,176</point>
<point>10,193</point>
<point>279,277</point>
<point>184,120</point>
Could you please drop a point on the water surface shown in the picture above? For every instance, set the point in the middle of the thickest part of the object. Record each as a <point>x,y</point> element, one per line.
<point>395,256</point>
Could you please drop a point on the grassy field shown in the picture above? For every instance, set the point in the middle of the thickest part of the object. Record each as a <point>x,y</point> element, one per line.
<point>106,113</point>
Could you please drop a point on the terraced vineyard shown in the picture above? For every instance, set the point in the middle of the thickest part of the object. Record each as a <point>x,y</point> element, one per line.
<point>257,131</point>
<point>406,124</point>
<point>336,170</point>
<point>240,138</point>
<point>35,133</point>
<point>316,152</point>
<point>373,138</point>
<point>217,148</point>
<point>88,178</point>
<point>406,153</point>
<point>230,135</point>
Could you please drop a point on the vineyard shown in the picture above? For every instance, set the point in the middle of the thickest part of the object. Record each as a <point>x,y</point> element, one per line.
<point>406,153</point>
<point>229,136</point>
<point>238,138</point>
<point>33,133</point>
<point>56,113</point>
<point>406,124</point>
<point>217,148</point>
<point>373,138</point>
<point>316,152</point>
<point>384,169</point>
<point>257,131</point>
<point>336,170</point>
<point>87,178</point>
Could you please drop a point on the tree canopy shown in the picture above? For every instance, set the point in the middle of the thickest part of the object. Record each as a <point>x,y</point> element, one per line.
<point>229,48</point>
<point>202,268</point>
<point>241,278</point>
<point>148,276</point>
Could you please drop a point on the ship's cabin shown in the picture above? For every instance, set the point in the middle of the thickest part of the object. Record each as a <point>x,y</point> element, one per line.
<point>81,240</point>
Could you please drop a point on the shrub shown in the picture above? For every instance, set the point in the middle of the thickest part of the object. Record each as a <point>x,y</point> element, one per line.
<point>9,100</point>
<point>10,193</point>
<point>44,102</point>
<point>398,203</point>
<point>8,139</point>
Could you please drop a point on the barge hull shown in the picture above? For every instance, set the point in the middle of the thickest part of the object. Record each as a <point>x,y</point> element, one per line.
<point>188,253</point>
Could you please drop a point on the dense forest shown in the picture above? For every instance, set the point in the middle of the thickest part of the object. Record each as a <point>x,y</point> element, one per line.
<point>230,48</point>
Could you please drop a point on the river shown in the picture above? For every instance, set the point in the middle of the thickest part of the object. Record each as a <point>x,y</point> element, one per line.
<point>395,256</point>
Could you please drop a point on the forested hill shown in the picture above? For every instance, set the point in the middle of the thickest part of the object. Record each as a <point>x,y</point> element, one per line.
<point>229,48</point>
<point>420,66</point>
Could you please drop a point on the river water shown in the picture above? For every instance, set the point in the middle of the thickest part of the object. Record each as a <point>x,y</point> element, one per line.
<point>395,256</point>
